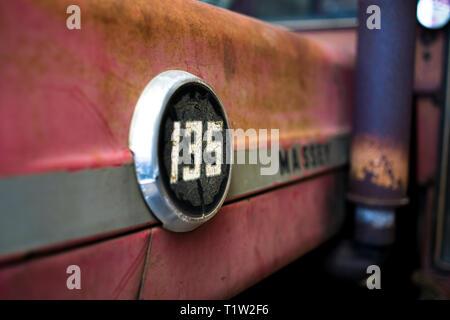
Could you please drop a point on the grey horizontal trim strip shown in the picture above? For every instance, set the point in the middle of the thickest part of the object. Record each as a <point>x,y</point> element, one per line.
<point>247,179</point>
<point>46,209</point>
<point>318,24</point>
<point>53,208</point>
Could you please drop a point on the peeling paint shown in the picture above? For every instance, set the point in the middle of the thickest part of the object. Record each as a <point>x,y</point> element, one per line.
<point>266,76</point>
<point>379,162</point>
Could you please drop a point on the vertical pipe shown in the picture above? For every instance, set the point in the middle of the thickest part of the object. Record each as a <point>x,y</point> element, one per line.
<point>382,113</point>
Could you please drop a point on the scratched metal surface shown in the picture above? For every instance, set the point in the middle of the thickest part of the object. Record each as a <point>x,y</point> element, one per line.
<point>218,260</point>
<point>50,210</point>
<point>56,208</point>
<point>67,96</point>
<point>383,104</point>
<point>109,270</point>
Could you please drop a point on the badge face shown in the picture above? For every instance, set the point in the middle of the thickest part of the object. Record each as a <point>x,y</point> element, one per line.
<point>180,144</point>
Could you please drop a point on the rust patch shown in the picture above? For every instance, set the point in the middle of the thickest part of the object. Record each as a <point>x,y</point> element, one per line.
<point>379,162</point>
<point>265,76</point>
<point>270,73</point>
<point>229,58</point>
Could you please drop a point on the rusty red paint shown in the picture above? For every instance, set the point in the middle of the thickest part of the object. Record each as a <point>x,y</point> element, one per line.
<point>244,243</point>
<point>429,61</point>
<point>109,270</point>
<point>341,43</point>
<point>67,97</point>
<point>428,124</point>
<point>45,250</point>
<point>66,102</point>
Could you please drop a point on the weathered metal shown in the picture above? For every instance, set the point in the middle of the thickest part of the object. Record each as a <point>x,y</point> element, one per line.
<point>109,270</point>
<point>429,61</point>
<point>42,211</point>
<point>67,96</point>
<point>428,121</point>
<point>245,242</point>
<point>63,208</point>
<point>430,85</point>
<point>442,228</point>
<point>382,113</point>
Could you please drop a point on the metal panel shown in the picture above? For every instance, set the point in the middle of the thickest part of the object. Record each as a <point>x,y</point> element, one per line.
<point>109,270</point>
<point>48,209</point>
<point>52,209</point>
<point>67,96</point>
<point>245,242</point>
<point>427,135</point>
<point>382,114</point>
<point>429,60</point>
<point>66,103</point>
<point>247,179</point>
<point>442,242</point>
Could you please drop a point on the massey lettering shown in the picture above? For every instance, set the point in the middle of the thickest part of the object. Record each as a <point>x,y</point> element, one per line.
<point>309,157</point>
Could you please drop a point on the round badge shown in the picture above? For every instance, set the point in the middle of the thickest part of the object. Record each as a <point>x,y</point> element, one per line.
<point>180,143</point>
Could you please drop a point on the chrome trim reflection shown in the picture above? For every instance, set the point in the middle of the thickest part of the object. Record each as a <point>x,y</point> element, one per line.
<point>143,143</point>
